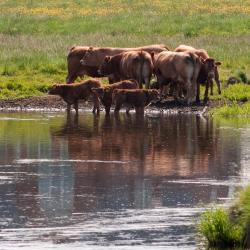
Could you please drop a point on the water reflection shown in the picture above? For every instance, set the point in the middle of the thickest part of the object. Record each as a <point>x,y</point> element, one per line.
<point>88,170</point>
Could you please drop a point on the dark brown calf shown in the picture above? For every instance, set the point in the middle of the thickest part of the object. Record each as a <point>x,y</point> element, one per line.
<point>72,93</point>
<point>105,93</point>
<point>133,98</point>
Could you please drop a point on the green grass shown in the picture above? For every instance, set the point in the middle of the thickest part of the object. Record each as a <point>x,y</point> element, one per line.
<point>228,227</point>
<point>219,231</point>
<point>35,35</point>
<point>237,92</point>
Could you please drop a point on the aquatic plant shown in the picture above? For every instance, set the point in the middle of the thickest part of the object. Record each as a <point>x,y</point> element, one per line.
<point>228,227</point>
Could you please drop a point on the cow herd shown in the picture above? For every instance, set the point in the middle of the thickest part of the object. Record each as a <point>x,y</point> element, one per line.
<point>180,71</point>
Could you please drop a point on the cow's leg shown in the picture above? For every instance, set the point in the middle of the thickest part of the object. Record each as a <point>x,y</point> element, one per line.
<point>96,103</point>
<point>147,82</point>
<point>76,107</point>
<point>128,109</point>
<point>140,83</point>
<point>71,78</point>
<point>198,93</point>
<point>206,92</point>
<point>217,80</point>
<point>117,108</point>
<point>189,92</point>
<point>211,87</point>
<point>107,109</point>
<point>68,108</point>
<point>176,90</point>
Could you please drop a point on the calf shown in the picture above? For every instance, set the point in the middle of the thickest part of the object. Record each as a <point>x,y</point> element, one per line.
<point>179,68</point>
<point>203,77</point>
<point>105,93</point>
<point>133,98</point>
<point>72,93</point>
<point>137,65</point>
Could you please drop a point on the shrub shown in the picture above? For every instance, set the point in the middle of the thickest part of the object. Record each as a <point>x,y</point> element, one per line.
<point>215,225</point>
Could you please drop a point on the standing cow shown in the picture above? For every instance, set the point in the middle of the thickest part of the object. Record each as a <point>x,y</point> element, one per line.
<point>204,78</point>
<point>135,65</point>
<point>75,68</point>
<point>179,68</point>
<point>92,57</point>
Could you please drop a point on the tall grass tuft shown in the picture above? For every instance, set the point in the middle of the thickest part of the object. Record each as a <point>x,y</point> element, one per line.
<point>228,228</point>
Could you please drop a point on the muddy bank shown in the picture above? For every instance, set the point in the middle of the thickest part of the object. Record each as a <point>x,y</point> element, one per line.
<point>55,103</point>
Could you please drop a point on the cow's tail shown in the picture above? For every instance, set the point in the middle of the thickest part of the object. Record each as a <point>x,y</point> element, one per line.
<point>140,62</point>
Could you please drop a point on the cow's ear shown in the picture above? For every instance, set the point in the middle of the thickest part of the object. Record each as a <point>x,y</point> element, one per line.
<point>217,63</point>
<point>202,60</point>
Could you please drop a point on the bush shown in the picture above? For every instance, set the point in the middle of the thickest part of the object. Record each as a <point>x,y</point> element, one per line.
<point>243,77</point>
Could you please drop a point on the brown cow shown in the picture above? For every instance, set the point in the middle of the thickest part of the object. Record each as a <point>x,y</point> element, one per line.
<point>105,93</point>
<point>75,68</point>
<point>71,93</point>
<point>136,65</point>
<point>134,98</point>
<point>95,56</point>
<point>203,78</point>
<point>179,68</point>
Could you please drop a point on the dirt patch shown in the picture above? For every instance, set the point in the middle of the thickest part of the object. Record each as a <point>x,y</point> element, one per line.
<point>55,103</point>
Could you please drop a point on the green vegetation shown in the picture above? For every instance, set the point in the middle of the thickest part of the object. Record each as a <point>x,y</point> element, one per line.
<point>216,226</point>
<point>232,110</point>
<point>36,35</point>
<point>228,228</point>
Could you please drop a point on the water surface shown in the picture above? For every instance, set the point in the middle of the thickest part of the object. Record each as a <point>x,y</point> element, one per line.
<point>124,182</point>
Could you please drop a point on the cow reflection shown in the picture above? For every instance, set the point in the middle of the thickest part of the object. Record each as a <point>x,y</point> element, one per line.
<point>132,156</point>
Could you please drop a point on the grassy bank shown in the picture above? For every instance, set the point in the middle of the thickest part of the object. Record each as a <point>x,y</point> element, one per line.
<point>35,36</point>
<point>228,228</point>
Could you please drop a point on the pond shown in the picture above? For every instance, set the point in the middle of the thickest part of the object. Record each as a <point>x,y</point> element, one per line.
<point>127,182</point>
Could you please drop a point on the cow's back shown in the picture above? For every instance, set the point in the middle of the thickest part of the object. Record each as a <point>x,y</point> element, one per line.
<point>199,52</point>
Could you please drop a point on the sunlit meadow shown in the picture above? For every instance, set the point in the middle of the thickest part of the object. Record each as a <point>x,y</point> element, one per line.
<point>35,35</point>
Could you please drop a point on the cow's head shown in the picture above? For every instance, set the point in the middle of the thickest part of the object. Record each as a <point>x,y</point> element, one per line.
<point>210,65</point>
<point>55,90</point>
<point>87,59</point>
<point>105,95</point>
<point>106,66</point>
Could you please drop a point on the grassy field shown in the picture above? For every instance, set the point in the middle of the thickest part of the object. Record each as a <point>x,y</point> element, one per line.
<point>35,35</point>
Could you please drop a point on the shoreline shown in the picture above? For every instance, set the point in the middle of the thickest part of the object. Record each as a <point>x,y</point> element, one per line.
<point>56,104</point>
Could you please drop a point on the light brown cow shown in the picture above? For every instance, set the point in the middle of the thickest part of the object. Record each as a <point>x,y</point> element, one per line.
<point>134,98</point>
<point>72,93</point>
<point>179,68</point>
<point>75,68</point>
<point>95,56</point>
<point>136,65</point>
<point>105,93</point>
<point>204,79</point>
